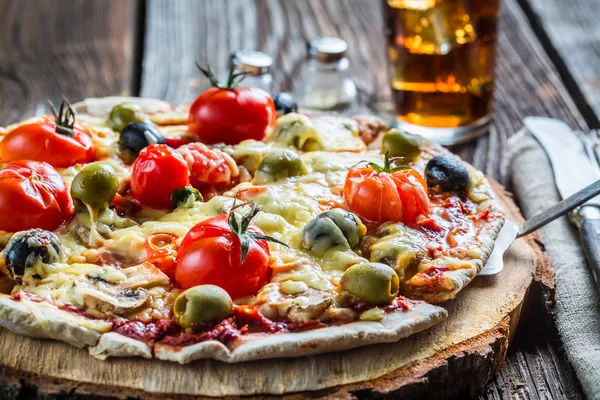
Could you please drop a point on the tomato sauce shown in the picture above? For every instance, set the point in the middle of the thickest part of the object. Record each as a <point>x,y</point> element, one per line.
<point>401,303</point>
<point>147,332</point>
<point>453,225</point>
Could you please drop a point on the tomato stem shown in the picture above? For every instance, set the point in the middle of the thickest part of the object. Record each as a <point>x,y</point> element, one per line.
<point>240,229</point>
<point>387,164</point>
<point>232,78</point>
<point>65,118</point>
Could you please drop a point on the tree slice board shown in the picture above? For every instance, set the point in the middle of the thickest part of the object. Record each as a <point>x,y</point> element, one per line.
<point>457,356</point>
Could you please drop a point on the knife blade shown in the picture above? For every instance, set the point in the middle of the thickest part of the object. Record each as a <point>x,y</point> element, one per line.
<point>573,170</point>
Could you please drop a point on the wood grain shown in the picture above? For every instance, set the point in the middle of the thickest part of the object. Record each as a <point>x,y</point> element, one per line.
<point>62,47</point>
<point>205,31</point>
<point>571,34</point>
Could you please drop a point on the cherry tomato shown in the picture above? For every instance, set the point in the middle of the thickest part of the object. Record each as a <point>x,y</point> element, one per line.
<point>211,253</point>
<point>162,253</point>
<point>156,173</point>
<point>175,142</point>
<point>229,114</point>
<point>386,195</point>
<point>33,195</point>
<point>44,140</point>
<point>208,167</point>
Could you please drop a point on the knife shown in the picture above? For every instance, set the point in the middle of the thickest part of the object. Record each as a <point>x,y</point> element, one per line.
<point>573,170</point>
<point>510,231</point>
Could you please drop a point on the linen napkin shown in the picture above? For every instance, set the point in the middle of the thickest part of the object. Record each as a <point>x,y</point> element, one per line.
<point>578,302</point>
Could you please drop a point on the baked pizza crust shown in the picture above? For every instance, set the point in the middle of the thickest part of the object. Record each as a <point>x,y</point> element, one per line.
<point>45,321</point>
<point>395,326</point>
<point>460,278</point>
<point>113,344</point>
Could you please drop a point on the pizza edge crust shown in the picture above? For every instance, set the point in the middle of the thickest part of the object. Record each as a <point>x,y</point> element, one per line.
<point>396,325</point>
<point>45,321</point>
<point>19,316</point>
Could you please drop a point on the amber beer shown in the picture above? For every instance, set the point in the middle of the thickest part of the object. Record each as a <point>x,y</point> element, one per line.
<point>443,56</point>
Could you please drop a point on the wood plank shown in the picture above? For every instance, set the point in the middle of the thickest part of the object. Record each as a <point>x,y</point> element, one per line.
<point>209,31</point>
<point>76,48</point>
<point>527,84</point>
<point>571,34</point>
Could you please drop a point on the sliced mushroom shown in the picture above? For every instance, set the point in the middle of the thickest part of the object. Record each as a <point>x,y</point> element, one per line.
<point>309,306</point>
<point>117,300</point>
<point>146,276</point>
<point>104,298</point>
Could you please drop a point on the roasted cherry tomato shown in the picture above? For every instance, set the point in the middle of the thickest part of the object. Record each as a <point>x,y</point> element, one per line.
<point>33,195</point>
<point>230,114</point>
<point>208,167</point>
<point>212,253</point>
<point>156,173</point>
<point>381,194</point>
<point>162,252</point>
<point>57,140</point>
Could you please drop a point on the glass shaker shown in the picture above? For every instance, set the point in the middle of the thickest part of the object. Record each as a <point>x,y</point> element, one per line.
<point>257,65</point>
<point>324,83</point>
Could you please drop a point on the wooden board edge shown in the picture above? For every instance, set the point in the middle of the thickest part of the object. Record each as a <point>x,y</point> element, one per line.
<point>483,354</point>
<point>541,295</point>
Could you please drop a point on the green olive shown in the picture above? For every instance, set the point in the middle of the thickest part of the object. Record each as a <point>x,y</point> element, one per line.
<point>123,114</point>
<point>372,282</point>
<point>95,185</point>
<point>332,228</point>
<point>280,164</point>
<point>201,304</point>
<point>401,144</point>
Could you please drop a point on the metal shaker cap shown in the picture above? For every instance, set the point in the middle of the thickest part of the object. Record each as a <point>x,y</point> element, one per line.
<point>327,49</point>
<point>251,61</point>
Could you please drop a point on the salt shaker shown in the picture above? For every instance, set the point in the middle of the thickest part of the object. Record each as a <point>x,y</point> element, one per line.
<point>324,83</point>
<point>256,65</point>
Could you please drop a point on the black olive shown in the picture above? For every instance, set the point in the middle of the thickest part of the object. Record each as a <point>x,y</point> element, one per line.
<point>27,248</point>
<point>448,174</point>
<point>137,135</point>
<point>284,103</point>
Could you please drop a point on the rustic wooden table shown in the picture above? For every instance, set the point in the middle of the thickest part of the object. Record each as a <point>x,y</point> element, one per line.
<point>548,65</point>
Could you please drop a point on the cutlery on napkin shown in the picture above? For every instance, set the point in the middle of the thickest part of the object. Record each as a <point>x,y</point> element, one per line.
<point>573,170</point>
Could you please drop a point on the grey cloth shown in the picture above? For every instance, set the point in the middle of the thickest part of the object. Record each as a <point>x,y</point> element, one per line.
<point>578,302</point>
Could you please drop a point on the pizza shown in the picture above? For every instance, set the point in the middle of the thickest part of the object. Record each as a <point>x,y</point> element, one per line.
<point>234,228</point>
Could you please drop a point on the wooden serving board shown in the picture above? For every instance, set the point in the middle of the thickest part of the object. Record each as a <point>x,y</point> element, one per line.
<point>457,356</point>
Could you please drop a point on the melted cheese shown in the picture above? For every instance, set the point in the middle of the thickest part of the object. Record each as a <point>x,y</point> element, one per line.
<point>75,284</point>
<point>130,241</point>
<point>329,133</point>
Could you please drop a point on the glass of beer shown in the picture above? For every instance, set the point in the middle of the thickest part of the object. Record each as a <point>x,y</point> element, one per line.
<point>443,56</point>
